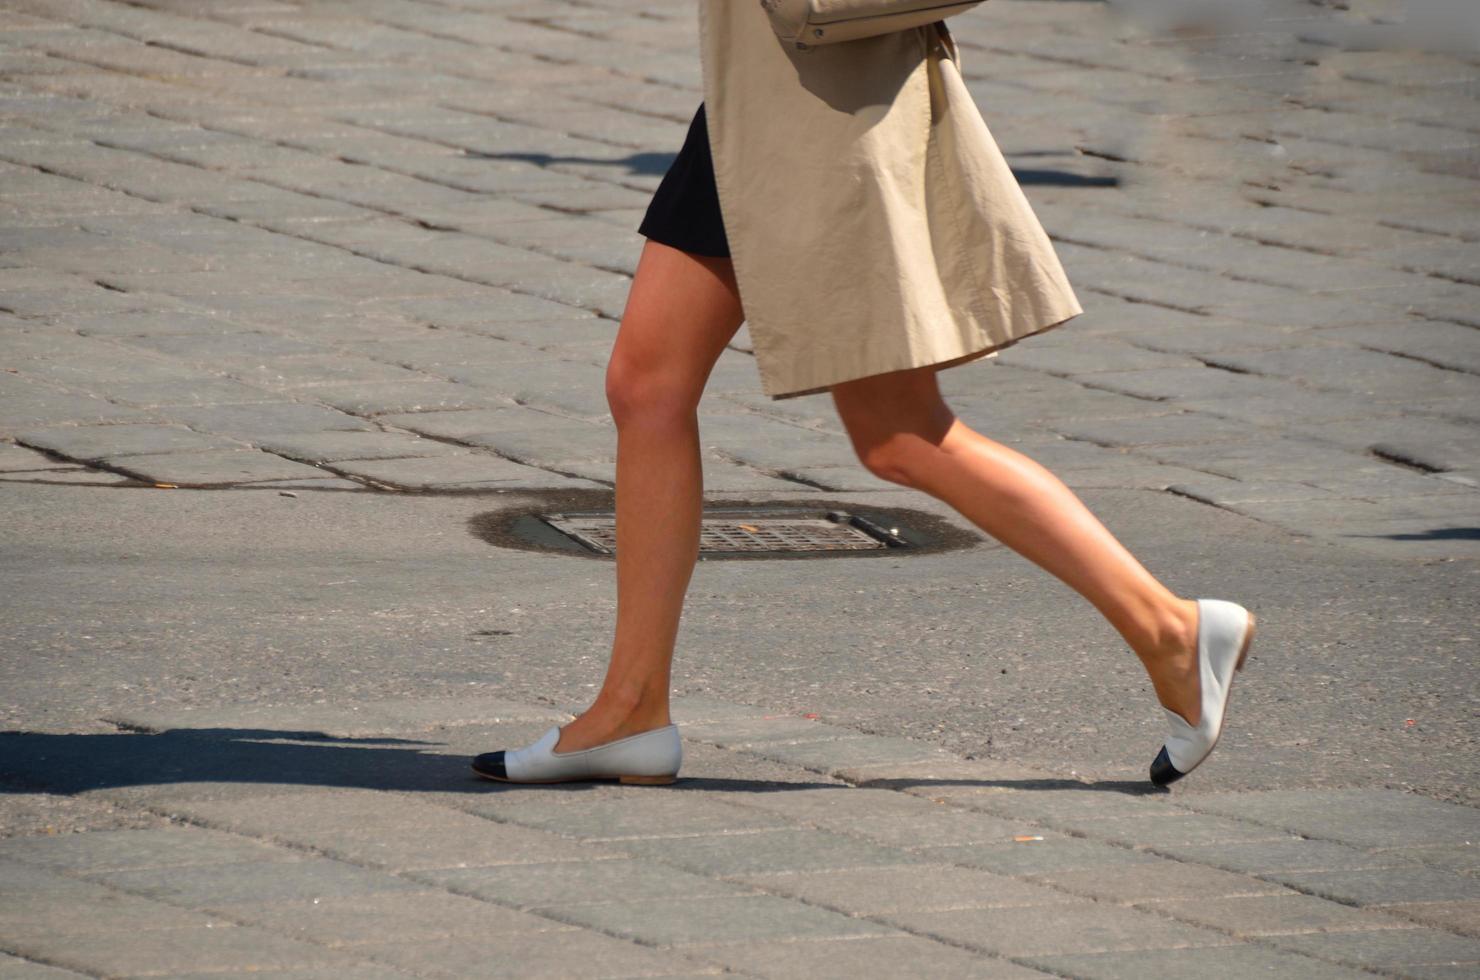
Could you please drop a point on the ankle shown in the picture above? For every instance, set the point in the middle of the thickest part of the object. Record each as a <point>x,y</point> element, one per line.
<point>1169,633</point>
<point>632,704</point>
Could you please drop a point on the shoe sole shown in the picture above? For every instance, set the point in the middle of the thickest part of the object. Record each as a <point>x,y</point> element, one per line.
<point>628,780</point>
<point>1238,665</point>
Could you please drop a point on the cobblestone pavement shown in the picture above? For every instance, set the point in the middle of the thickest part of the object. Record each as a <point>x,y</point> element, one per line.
<point>387,243</point>
<point>804,850</point>
<point>382,246</point>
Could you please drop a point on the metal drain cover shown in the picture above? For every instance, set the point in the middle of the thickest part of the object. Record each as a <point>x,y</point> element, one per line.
<point>748,531</point>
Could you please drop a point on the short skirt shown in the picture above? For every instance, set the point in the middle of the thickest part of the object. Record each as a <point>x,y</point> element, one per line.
<point>684,212</point>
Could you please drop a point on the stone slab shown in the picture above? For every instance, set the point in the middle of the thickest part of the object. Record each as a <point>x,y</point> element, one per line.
<point>329,447</point>
<point>1232,962</point>
<point>1276,914</point>
<point>414,916</point>
<point>535,886</point>
<point>714,920</point>
<point>122,850</point>
<point>211,887</point>
<point>766,850</point>
<point>926,888</point>
<point>894,956</point>
<point>535,957</point>
<point>470,471</point>
<point>94,442</point>
<point>1029,932</point>
<point>211,468</point>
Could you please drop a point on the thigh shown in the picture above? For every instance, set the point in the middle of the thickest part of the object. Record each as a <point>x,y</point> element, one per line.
<point>881,407</point>
<point>682,310</point>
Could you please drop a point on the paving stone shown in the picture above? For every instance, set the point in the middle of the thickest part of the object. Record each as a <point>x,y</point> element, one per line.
<point>39,901</point>
<point>1161,881</point>
<point>1281,854</point>
<point>535,957</point>
<point>1089,356</point>
<point>1353,370</point>
<point>533,886</point>
<point>191,393</point>
<point>1454,857</point>
<point>1021,932</point>
<point>1445,344</point>
<point>874,891</point>
<point>647,816</point>
<point>384,398</point>
<point>383,831</point>
<point>247,422</point>
<point>25,406</point>
<point>1068,800</point>
<point>464,472</point>
<point>766,850</point>
<point>706,921</point>
<point>757,731</point>
<point>1233,962</point>
<point>833,756</point>
<point>211,468</point>
<point>1385,886</point>
<point>364,718</point>
<point>1460,917</point>
<point>133,849</point>
<point>1231,493</point>
<point>154,952</point>
<point>1387,948</point>
<point>886,816</point>
<point>416,916</point>
<point>307,373</point>
<point>1155,430</point>
<point>459,425</point>
<point>362,970</point>
<point>15,968</point>
<point>895,956</point>
<point>1055,853</point>
<point>19,459</point>
<point>966,781</point>
<point>328,447</point>
<point>1278,914</point>
<point>552,444</point>
<point>1159,831</point>
<point>1276,407</point>
<point>94,442</point>
<point>1367,817</point>
<point>210,887</point>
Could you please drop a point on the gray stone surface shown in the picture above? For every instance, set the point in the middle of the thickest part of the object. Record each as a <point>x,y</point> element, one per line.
<point>210,468</point>
<point>398,238</point>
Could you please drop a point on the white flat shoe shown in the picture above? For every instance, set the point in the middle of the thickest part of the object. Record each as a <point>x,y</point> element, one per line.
<point>1224,631</point>
<point>650,757</point>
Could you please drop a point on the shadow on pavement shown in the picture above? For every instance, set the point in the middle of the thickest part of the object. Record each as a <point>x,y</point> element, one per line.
<point>77,763</point>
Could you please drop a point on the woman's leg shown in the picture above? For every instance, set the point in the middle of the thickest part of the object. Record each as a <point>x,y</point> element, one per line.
<point>904,432</point>
<point>681,312</point>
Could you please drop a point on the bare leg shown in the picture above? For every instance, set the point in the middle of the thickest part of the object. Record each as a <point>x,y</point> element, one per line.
<point>904,432</point>
<point>681,312</point>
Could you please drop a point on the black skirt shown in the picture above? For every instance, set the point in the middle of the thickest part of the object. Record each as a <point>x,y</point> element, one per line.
<point>684,212</point>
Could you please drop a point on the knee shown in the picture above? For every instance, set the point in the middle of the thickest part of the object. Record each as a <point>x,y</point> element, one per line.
<point>642,392</point>
<point>895,459</point>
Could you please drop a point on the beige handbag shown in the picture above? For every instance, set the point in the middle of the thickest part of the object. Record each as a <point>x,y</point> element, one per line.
<point>808,22</point>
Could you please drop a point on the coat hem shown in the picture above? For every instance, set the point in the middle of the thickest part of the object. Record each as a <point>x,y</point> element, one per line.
<point>938,365</point>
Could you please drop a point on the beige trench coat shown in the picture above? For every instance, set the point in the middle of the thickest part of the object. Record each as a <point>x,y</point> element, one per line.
<point>872,221</point>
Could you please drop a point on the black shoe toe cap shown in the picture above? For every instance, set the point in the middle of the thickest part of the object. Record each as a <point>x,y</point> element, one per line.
<point>490,764</point>
<point>1163,772</point>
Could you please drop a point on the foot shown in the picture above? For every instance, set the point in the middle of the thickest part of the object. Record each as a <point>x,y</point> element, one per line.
<point>598,726</point>
<point>1224,632</point>
<point>1172,666</point>
<point>650,758</point>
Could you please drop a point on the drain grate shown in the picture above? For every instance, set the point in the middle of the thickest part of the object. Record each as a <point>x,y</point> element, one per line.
<point>748,531</point>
